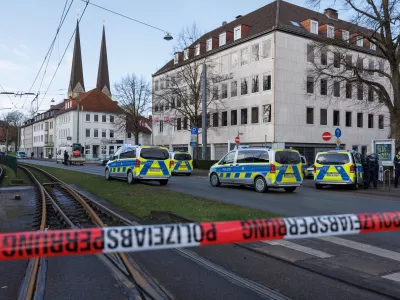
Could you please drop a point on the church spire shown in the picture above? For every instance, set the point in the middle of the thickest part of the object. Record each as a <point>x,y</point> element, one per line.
<point>76,84</point>
<point>103,80</point>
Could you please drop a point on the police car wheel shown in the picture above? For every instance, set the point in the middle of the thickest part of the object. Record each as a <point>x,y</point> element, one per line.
<point>188,174</point>
<point>107,175</point>
<point>318,186</point>
<point>214,180</point>
<point>260,185</point>
<point>290,189</point>
<point>130,179</point>
<point>163,182</point>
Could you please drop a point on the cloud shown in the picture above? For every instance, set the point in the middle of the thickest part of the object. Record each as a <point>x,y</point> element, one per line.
<point>3,47</point>
<point>23,46</point>
<point>20,53</point>
<point>6,65</point>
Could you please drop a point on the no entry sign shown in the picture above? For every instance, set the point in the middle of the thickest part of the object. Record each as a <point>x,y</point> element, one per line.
<point>237,140</point>
<point>326,136</point>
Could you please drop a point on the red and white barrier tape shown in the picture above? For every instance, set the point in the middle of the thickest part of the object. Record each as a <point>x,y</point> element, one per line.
<point>24,245</point>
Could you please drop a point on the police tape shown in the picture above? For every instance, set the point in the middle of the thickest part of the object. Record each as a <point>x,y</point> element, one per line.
<point>156,237</point>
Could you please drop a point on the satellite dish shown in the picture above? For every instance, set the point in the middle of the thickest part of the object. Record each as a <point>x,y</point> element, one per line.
<point>224,23</point>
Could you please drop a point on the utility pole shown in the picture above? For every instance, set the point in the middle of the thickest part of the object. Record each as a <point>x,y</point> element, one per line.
<point>204,110</point>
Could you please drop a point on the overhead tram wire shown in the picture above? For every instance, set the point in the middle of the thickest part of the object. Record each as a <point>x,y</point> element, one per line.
<point>62,19</point>
<point>62,57</point>
<point>8,97</point>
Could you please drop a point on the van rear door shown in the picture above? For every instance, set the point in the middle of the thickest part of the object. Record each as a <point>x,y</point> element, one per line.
<point>334,166</point>
<point>154,162</point>
<point>182,162</point>
<point>288,166</point>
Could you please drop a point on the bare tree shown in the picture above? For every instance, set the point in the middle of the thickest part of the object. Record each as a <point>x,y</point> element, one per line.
<point>180,91</point>
<point>11,124</point>
<point>134,98</point>
<point>360,76</point>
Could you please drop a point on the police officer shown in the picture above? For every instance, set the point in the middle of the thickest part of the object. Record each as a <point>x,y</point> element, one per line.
<point>366,172</point>
<point>372,169</point>
<point>66,157</point>
<point>396,163</point>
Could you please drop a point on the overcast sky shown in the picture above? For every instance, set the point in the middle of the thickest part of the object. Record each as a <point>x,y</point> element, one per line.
<point>28,28</point>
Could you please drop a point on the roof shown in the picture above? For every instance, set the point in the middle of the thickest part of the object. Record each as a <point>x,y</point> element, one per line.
<point>142,128</point>
<point>264,20</point>
<point>103,79</point>
<point>77,69</point>
<point>94,100</point>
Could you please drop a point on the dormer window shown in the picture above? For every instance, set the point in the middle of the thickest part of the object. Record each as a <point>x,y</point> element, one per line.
<point>330,32</point>
<point>176,59</point>
<point>186,54</point>
<point>222,39</point>
<point>197,50</point>
<point>237,33</point>
<point>314,27</point>
<point>345,36</point>
<point>360,41</point>
<point>209,45</point>
<point>372,46</point>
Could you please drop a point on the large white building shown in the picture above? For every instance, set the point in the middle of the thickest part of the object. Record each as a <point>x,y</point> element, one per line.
<point>264,59</point>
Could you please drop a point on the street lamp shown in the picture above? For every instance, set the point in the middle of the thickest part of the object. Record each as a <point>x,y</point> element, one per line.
<point>168,37</point>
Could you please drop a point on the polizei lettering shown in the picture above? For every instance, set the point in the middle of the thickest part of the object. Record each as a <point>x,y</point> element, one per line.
<point>303,227</point>
<point>127,239</point>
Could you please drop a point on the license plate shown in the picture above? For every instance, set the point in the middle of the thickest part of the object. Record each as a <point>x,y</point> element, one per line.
<point>333,174</point>
<point>289,175</point>
<point>154,170</point>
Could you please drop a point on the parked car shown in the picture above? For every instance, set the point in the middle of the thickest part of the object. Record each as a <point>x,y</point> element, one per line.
<point>310,172</point>
<point>21,154</point>
<point>104,160</point>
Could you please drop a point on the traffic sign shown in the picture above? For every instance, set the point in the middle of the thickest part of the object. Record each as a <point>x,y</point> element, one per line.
<point>193,144</point>
<point>337,142</point>
<point>194,130</point>
<point>237,140</point>
<point>338,132</point>
<point>326,136</point>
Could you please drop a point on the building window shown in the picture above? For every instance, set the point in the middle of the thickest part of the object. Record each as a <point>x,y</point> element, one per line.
<point>348,118</point>
<point>186,54</point>
<point>370,121</point>
<point>380,122</point>
<point>360,64</point>
<point>222,39</point>
<point>129,135</point>
<point>243,116</point>
<point>381,67</point>
<point>255,52</point>
<point>178,124</point>
<point>266,49</point>
<point>224,118</point>
<point>185,123</point>
<point>372,46</point>
<point>215,119</point>
<point>224,90</point>
<point>233,88</point>
<point>234,60</point>
<point>111,119</point>
<point>156,85</point>
<point>359,120</point>
<point>87,132</point>
<point>197,50</point>
<point>237,33</point>
<point>360,41</point>
<point>266,82</point>
<point>178,103</point>
<point>324,57</point>
<point>103,118</point>
<point>360,91</point>
<point>371,66</point>
<point>110,149</point>
<point>310,115</point>
<point>161,125</point>
<point>266,113</point>
<point>243,86</point>
<point>310,85</point>
<point>96,118</point>
<point>345,35</point>
<point>254,84</point>
<point>310,53</point>
<point>324,117</point>
<point>314,27</point>
<point>370,94</point>
<point>111,133</point>
<point>349,61</point>
<point>96,133</point>
<point>209,45</point>
<point>349,89</point>
<point>225,63</point>
<point>324,86</point>
<point>87,149</point>
<point>215,91</point>
<point>103,133</point>
<point>336,118</point>
<point>254,115</point>
<point>244,56</point>
<point>330,33</point>
<point>156,108</point>
<point>176,58</point>
<point>336,60</point>
<point>336,88</point>
<point>233,117</point>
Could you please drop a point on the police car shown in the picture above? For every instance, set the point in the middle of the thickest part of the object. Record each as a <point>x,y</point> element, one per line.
<point>183,163</point>
<point>135,163</point>
<point>261,168</point>
<point>338,167</point>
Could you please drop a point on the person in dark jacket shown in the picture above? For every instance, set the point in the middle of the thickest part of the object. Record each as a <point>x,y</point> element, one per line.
<point>396,163</point>
<point>32,155</point>
<point>66,156</point>
<point>371,169</point>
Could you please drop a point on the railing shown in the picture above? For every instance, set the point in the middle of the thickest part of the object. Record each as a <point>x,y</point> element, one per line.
<point>9,161</point>
<point>387,171</point>
<point>1,174</point>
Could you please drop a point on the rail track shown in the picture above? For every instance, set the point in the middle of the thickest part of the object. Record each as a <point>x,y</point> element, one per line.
<point>60,206</point>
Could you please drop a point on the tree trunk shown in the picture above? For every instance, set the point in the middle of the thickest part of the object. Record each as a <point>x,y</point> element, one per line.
<point>395,125</point>
<point>136,138</point>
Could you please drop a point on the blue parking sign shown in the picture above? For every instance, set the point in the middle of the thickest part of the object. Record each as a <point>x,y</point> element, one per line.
<point>338,132</point>
<point>194,130</point>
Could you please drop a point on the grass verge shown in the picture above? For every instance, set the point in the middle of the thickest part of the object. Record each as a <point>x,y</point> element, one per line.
<point>10,175</point>
<point>140,199</point>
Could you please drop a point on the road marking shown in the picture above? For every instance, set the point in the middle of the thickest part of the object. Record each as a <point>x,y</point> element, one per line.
<point>393,276</point>
<point>300,248</point>
<point>362,247</point>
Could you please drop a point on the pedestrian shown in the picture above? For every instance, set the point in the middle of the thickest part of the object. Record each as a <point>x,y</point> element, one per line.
<point>366,172</point>
<point>372,167</point>
<point>32,155</point>
<point>66,157</point>
<point>396,163</point>
<point>41,155</point>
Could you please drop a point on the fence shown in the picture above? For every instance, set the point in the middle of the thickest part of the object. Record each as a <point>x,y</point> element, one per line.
<point>1,174</point>
<point>9,161</point>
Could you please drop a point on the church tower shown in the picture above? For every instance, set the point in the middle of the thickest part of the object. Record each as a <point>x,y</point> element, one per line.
<point>76,84</point>
<point>103,80</point>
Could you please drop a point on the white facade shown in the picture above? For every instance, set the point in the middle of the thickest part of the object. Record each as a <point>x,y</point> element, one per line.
<point>276,112</point>
<point>43,137</point>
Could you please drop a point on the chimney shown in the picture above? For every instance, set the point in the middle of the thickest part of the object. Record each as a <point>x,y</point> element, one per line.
<point>331,13</point>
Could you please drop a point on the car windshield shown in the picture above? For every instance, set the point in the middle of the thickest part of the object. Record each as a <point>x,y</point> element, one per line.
<point>287,157</point>
<point>333,159</point>
<point>21,153</point>
<point>182,156</point>
<point>154,153</point>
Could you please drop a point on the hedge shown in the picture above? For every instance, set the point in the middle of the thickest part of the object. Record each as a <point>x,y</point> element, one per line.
<point>203,164</point>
